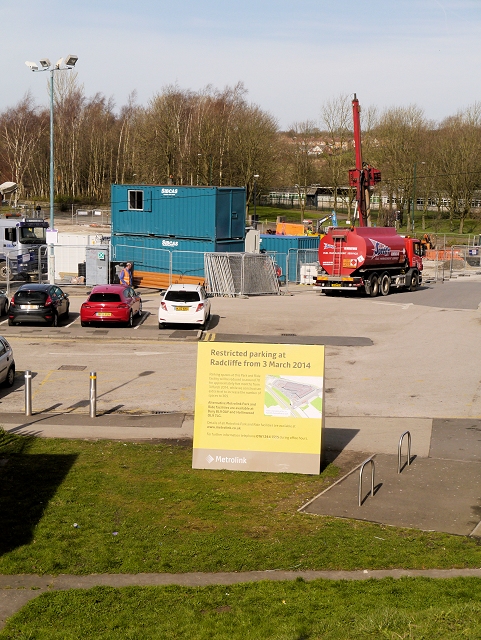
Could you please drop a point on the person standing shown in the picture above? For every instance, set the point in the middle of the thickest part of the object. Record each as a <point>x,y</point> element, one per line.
<point>125,276</point>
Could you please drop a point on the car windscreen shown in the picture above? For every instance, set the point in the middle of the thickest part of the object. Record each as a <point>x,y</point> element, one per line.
<point>182,296</point>
<point>30,297</point>
<point>32,235</point>
<point>105,297</point>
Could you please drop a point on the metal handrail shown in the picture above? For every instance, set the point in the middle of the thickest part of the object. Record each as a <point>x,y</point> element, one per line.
<point>373,466</point>
<point>408,433</point>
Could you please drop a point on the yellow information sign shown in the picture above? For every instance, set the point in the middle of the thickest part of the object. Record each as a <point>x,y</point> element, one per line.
<point>259,407</point>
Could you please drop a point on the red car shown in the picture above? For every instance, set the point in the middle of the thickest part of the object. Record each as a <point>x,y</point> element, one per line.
<point>111,303</point>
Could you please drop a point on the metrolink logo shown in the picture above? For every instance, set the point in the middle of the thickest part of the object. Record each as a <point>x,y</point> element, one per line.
<point>380,249</point>
<point>224,460</point>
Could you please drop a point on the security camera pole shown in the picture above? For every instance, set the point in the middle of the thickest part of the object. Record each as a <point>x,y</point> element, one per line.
<point>70,61</point>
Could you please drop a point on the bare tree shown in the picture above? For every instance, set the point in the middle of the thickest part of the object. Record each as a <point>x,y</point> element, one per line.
<point>21,128</point>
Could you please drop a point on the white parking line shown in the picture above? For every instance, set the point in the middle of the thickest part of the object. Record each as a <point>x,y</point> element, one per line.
<point>145,315</point>
<point>395,304</point>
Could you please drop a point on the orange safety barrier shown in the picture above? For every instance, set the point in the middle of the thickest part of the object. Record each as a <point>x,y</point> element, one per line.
<point>445,254</point>
<point>290,229</point>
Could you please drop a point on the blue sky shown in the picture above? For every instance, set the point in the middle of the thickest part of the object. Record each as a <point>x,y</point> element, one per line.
<point>291,56</point>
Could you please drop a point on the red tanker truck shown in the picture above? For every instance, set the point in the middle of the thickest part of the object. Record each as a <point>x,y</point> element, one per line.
<point>370,259</point>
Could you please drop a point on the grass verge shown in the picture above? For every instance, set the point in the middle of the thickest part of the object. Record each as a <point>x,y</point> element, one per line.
<point>388,609</point>
<point>90,507</point>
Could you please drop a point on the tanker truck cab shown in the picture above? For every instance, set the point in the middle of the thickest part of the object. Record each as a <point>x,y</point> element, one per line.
<point>372,260</point>
<point>20,241</point>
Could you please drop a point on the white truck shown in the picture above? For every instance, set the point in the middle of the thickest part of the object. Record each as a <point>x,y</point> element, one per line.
<point>20,242</point>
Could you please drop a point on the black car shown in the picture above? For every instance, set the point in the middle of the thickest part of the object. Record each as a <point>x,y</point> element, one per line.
<point>39,303</point>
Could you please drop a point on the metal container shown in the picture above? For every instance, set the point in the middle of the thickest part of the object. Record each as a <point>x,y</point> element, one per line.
<point>209,213</point>
<point>281,245</point>
<point>162,255</point>
<point>97,264</point>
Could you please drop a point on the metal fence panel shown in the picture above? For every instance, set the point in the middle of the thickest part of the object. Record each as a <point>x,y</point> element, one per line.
<point>302,264</point>
<point>230,274</point>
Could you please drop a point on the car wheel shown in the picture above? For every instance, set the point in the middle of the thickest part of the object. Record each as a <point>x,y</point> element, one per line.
<point>11,323</point>
<point>139,313</point>
<point>67,313</point>
<point>84,324</point>
<point>130,323</point>
<point>55,320</point>
<point>5,308</point>
<point>10,379</point>
<point>161,325</point>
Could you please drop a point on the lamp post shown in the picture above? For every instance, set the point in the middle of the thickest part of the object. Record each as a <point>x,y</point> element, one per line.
<point>256,175</point>
<point>414,193</point>
<point>46,65</point>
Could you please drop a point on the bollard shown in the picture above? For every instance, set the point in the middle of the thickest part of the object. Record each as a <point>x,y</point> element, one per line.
<point>93,394</point>
<point>28,393</point>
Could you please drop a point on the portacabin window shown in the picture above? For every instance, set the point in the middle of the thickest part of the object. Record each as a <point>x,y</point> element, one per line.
<point>136,200</point>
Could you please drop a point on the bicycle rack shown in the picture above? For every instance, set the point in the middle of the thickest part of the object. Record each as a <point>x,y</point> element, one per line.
<point>408,433</point>
<point>373,466</point>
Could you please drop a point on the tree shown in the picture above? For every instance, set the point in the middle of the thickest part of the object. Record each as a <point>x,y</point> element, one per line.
<point>458,159</point>
<point>21,128</point>
<point>401,134</point>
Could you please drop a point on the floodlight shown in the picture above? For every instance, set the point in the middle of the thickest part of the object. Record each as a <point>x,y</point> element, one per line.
<point>58,63</point>
<point>70,60</point>
<point>45,63</point>
<point>8,187</point>
<point>32,65</point>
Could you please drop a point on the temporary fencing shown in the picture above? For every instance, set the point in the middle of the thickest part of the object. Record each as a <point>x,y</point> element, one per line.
<point>302,266</point>
<point>234,274</point>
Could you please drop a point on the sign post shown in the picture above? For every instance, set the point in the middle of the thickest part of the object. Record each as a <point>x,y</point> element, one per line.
<point>259,407</point>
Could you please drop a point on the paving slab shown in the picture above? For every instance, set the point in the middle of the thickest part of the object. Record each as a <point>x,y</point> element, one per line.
<point>178,426</point>
<point>456,439</point>
<point>377,435</point>
<point>430,494</point>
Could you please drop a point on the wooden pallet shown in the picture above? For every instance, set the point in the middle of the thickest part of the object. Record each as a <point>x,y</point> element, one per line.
<point>163,280</point>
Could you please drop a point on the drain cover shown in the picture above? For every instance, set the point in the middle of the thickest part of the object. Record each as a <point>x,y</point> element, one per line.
<point>71,367</point>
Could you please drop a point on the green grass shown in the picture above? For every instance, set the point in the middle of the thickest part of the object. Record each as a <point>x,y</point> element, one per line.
<point>142,508</point>
<point>386,609</point>
<point>433,224</point>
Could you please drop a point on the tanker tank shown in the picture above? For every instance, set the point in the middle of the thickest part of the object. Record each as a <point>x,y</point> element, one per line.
<point>343,251</point>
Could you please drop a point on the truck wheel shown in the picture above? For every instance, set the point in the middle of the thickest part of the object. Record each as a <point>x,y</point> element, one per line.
<point>385,284</point>
<point>5,272</point>
<point>374,286</point>
<point>413,281</point>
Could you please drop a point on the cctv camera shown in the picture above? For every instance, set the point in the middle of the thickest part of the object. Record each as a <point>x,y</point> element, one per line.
<point>32,65</point>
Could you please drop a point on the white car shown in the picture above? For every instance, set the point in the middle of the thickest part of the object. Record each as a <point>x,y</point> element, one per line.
<point>184,304</point>
<point>7,363</point>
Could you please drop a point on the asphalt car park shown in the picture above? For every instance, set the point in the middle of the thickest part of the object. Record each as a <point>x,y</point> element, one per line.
<point>415,354</point>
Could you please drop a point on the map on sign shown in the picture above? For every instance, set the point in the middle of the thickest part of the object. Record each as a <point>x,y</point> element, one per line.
<point>293,396</point>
